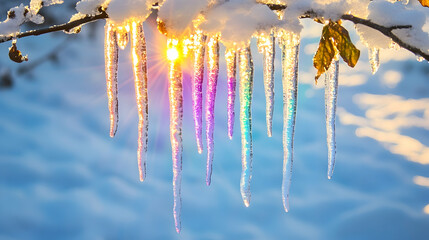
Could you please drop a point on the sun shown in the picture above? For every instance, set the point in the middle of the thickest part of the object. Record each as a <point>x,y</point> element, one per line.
<point>172,51</point>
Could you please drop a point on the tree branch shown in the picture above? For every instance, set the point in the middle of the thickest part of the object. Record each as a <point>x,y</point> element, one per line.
<point>63,27</point>
<point>387,31</point>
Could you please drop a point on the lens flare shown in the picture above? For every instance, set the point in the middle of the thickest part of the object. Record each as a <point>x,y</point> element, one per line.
<point>172,52</point>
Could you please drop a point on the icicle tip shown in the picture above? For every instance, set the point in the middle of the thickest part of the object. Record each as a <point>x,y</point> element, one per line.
<point>286,205</point>
<point>113,130</point>
<point>142,178</point>
<point>330,173</point>
<point>246,202</point>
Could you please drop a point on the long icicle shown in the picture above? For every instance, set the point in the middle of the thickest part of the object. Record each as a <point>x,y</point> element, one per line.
<point>176,115</point>
<point>231,68</point>
<point>289,43</point>
<point>374,59</point>
<point>111,68</point>
<point>213,69</point>
<point>245,92</point>
<point>197,86</point>
<point>138,49</point>
<point>331,93</point>
<point>266,46</point>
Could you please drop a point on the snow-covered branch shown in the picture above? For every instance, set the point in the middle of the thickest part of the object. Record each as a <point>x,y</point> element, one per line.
<point>385,30</point>
<point>62,27</point>
<point>388,31</point>
<point>100,13</point>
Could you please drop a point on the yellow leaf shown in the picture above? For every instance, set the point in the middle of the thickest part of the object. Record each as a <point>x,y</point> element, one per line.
<point>343,43</point>
<point>425,3</point>
<point>334,40</point>
<point>325,53</point>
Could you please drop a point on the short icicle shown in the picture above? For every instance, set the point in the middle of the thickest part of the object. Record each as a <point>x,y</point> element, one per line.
<point>331,93</point>
<point>289,44</point>
<point>197,86</point>
<point>374,59</point>
<point>123,35</point>
<point>213,71</point>
<point>111,68</point>
<point>245,93</point>
<point>231,69</point>
<point>266,46</point>
<point>138,49</point>
<point>176,116</point>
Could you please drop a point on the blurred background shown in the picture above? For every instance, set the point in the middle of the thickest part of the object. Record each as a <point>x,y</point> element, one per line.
<point>63,177</point>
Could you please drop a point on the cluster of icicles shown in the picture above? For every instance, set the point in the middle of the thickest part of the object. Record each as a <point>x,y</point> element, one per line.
<point>117,37</point>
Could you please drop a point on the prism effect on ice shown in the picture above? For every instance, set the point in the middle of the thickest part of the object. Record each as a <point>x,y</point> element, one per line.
<point>236,57</point>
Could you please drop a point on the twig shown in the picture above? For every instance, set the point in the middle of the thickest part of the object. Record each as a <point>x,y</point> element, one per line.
<point>63,27</point>
<point>387,31</point>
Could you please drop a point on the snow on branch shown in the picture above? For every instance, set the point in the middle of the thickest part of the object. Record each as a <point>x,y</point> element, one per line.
<point>93,10</point>
<point>62,27</point>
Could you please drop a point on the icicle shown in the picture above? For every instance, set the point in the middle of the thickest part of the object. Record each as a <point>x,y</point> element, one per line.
<point>289,44</point>
<point>245,92</point>
<point>123,35</point>
<point>111,65</point>
<point>138,49</point>
<point>374,59</point>
<point>213,69</point>
<point>231,68</point>
<point>394,45</point>
<point>266,47</point>
<point>176,115</point>
<point>331,92</point>
<point>197,86</point>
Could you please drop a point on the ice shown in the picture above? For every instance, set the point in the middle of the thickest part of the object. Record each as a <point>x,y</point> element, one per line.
<point>374,59</point>
<point>213,71</point>
<point>138,48</point>
<point>266,47</point>
<point>289,43</point>
<point>123,35</point>
<point>231,68</point>
<point>111,62</point>
<point>176,118</point>
<point>420,58</point>
<point>197,86</point>
<point>245,92</point>
<point>331,93</point>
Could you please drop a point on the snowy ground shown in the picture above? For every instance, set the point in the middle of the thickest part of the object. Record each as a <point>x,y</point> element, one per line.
<point>62,177</point>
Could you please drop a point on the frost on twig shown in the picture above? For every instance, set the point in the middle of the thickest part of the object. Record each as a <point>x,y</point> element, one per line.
<point>21,14</point>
